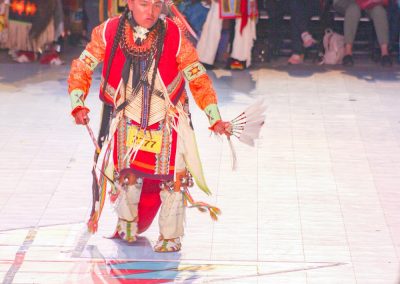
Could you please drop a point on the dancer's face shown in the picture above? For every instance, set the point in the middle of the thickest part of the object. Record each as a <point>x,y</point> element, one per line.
<point>145,12</point>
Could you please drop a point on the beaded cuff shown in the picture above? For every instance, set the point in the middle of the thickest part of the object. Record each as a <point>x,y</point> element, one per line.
<point>212,113</point>
<point>77,98</point>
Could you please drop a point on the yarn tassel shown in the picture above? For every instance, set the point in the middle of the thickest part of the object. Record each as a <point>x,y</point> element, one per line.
<point>202,206</point>
<point>92,224</point>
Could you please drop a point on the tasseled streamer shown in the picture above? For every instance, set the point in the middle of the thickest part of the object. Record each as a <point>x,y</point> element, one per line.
<point>90,131</point>
<point>92,224</point>
<point>115,190</point>
<point>202,206</point>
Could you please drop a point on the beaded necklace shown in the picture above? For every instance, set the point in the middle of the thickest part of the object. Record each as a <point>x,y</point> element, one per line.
<point>140,55</point>
<point>146,47</point>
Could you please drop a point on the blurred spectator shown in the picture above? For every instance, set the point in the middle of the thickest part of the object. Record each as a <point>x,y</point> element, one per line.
<point>352,14</point>
<point>4,6</point>
<point>34,26</point>
<point>394,24</point>
<point>76,21</point>
<point>245,32</point>
<point>195,11</point>
<point>300,13</point>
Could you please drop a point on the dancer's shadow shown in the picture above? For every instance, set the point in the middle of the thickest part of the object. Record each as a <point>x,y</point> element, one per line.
<point>141,249</point>
<point>138,261</point>
<point>374,75</point>
<point>302,70</point>
<point>229,83</point>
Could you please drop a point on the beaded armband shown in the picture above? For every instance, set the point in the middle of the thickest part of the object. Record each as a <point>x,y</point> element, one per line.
<point>194,71</point>
<point>90,61</point>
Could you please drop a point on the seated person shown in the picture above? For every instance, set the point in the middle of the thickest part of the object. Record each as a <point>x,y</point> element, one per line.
<point>393,11</point>
<point>195,12</point>
<point>244,36</point>
<point>352,15</point>
<point>4,6</point>
<point>299,11</point>
<point>32,32</point>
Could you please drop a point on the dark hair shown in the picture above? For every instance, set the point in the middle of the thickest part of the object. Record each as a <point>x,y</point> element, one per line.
<point>159,44</point>
<point>117,37</point>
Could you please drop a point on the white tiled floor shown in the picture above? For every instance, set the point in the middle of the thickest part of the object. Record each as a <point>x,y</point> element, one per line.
<point>316,201</point>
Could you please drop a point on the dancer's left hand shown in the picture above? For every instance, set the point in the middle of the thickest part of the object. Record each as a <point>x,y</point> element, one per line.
<point>222,127</point>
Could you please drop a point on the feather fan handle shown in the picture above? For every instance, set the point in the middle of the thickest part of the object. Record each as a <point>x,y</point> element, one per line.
<point>233,153</point>
<point>179,19</point>
<point>201,206</point>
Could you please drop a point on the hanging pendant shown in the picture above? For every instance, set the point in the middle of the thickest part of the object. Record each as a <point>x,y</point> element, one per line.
<point>140,33</point>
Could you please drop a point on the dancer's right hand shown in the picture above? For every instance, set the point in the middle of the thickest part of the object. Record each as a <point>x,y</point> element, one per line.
<point>81,115</point>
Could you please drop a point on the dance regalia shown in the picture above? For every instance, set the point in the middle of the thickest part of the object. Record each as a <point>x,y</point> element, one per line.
<point>151,134</point>
<point>4,23</point>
